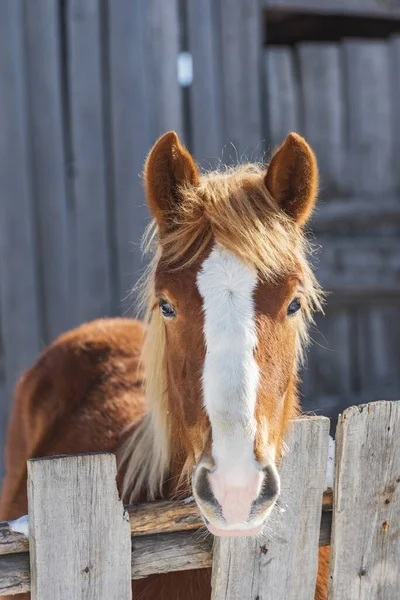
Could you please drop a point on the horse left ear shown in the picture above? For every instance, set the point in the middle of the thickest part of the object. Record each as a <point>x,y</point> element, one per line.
<point>169,166</point>
<point>292,178</point>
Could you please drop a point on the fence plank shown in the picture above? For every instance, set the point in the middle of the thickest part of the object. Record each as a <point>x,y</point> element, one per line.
<point>368,97</point>
<point>285,561</point>
<point>395,91</point>
<point>77,495</point>
<point>241,51</point>
<point>206,90</point>
<point>47,154</point>
<point>130,143</point>
<point>89,170</point>
<point>20,324</point>
<point>281,93</point>
<point>321,88</point>
<point>365,549</point>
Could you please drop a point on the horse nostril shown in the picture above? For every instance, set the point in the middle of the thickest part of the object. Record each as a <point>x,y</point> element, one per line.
<point>203,486</point>
<point>271,486</point>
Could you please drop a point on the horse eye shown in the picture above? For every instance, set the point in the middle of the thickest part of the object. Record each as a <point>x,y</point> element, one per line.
<point>293,307</point>
<point>167,310</point>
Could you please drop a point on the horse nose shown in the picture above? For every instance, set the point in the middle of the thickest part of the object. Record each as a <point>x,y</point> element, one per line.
<point>237,493</point>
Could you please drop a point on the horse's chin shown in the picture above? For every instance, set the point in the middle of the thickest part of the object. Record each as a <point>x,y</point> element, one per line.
<point>246,532</point>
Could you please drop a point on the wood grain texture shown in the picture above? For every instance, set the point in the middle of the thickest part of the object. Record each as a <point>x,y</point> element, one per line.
<point>369,118</point>
<point>79,536</point>
<point>43,73</point>
<point>241,51</point>
<point>208,136</point>
<point>89,169</point>
<point>285,561</point>
<point>282,95</point>
<point>130,141</point>
<point>21,325</point>
<point>377,8</point>
<point>323,110</point>
<point>365,550</point>
<point>15,577</point>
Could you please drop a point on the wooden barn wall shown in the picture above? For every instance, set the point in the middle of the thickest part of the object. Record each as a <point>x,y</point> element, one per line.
<point>86,88</point>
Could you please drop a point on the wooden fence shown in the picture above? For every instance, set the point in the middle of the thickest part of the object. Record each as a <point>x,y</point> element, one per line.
<point>85,89</point>
<point>82,544</point>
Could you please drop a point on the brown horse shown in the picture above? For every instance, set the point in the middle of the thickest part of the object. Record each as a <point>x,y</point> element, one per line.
<point>207,399</point>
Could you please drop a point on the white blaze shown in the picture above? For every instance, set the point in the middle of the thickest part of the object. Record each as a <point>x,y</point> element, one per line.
<point>231,373</point>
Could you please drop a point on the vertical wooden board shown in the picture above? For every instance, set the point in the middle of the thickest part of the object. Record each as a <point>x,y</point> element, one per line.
<point>208,136</point>
<point>281,94</point>
<point>89,168</point>
<point>79,534</point>
<point>369,117</point>
<point>395,96</point>
<point>283,564</point>
<point>48,161</point>
<point>323,110</point>
<point>378,346</point>
<point>241,52</point>
<point>366,518</point>
<point>159,25</point>
<point>20,323</point>
<point>130,140</point>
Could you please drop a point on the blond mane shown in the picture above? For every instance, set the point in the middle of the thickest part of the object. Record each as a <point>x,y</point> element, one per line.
<point>233,207</point>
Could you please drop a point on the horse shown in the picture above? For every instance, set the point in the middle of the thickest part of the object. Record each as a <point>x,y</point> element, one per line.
<point>195,399</point>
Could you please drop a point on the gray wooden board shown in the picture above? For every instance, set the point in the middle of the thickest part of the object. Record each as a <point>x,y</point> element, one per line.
<point>323,110</point>
<point>359,265</point>
<point>350,214</point>
<point>328,370</point>
<point>365,550</point>
<point>369,117</point>
<point>130,139</point>
<point>89,168</point>
<point>395,91</point>
<point>344,7</point>
<point>241,52</point>
<point>159,24</point>
<point>20,322</point>
<point>378,346</point>
<point>284,565</point>
<point>208,137</point>
<point>281,92</point>
<point>48,161</point>
<point>79,534</point>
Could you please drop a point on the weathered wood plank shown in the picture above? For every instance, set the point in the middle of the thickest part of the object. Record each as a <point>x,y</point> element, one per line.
<point>78,495</point>
<point>323,110</point>
<point>375,8</point>
<point>285,563</point>
<point>395,91</point>
<point>346,215</point>
<point>43,74</point>
<point>129,137</point>
<point>378,349</point>
<point>20,319</point>
<point>281,93</point>
<point>147,519</point>
<point>368,265</point>
<point>365,550</point>
<point>15,576</point>
<point>241,52</point>
<point>159,24</point>
<point>89,169</point>
<point>208,137</point>
<point>369,118</point>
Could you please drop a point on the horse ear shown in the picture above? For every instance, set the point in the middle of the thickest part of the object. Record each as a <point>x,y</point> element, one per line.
<point>168,167</point>
<point>292,178</point>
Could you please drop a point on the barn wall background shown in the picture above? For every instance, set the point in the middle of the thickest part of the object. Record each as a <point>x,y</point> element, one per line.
<point>86,88</point>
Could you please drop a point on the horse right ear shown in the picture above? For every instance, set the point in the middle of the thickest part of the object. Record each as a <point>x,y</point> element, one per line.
<point>169,166</point>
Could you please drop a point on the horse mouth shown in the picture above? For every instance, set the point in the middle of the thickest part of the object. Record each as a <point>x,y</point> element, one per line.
<point>243,532</point>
